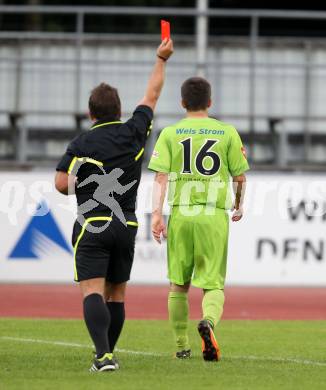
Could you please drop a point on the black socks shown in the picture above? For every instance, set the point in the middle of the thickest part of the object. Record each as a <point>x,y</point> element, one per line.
<point>104,322</point>
<point>117,311</point>
<point>97,319</point>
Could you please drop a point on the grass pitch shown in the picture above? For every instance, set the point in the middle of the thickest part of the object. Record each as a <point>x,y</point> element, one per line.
<point>256,355</point>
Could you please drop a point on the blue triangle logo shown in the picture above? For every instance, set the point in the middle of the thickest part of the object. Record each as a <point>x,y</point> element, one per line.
<point>45,226</point>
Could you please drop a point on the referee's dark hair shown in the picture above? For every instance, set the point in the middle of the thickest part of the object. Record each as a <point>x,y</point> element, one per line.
<point>196,94</point>
<point>104,103</point>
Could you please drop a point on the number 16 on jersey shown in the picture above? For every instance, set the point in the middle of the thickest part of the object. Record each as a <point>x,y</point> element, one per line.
<point>201,157</point>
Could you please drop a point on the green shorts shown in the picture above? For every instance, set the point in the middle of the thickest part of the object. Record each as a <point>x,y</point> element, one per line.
<point>197,249</point>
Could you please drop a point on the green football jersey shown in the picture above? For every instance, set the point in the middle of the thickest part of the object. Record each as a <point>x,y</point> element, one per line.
<point>200,155</point>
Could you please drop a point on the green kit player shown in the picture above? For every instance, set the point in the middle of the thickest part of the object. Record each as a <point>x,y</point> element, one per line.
<point>197,156</point>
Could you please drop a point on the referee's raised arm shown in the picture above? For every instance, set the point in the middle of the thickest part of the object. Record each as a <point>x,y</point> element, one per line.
<point>156,80</point>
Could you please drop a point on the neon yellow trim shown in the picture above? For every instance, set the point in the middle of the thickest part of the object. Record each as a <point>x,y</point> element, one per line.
<point>88,220</point>
<point>72,164</point>
<point>139,154</point>
<point>86,159</point>
<point>92,219</point>
<point>75,249</point>
<point>132,223</point>
<point>104,124</point>
<point>106,355</point>
<point>92,161</point>
<point>150,128</point>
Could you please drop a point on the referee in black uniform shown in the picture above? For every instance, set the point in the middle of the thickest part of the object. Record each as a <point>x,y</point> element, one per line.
<point>103,168</point>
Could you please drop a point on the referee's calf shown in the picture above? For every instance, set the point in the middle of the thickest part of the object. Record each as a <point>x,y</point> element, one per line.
<point>102,167</point>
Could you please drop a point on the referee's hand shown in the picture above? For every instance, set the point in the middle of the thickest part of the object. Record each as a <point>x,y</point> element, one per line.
<point>158,227</point>
<point>165,50</point>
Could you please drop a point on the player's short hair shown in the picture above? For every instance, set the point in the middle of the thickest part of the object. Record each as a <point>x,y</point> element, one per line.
<point>104,103</point>
<point>196,93</point>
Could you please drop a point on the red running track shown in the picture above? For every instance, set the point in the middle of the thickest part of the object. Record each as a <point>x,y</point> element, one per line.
<point>149,302</point>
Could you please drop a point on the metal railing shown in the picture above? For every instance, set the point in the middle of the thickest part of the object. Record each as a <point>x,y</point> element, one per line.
<point>201,14</point>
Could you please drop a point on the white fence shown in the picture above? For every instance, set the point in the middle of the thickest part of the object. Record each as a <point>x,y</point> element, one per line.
<point>281,240</point>
<point>46,76</point>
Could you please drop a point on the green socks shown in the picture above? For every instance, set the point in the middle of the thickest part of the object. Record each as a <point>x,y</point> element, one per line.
<point>178,315</point>
<point>212,305</point>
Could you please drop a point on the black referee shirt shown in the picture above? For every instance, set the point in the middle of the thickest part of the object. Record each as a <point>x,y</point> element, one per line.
<point>109,145</point>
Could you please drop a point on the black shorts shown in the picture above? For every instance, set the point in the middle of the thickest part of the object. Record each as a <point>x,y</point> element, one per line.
<point>105,254</point>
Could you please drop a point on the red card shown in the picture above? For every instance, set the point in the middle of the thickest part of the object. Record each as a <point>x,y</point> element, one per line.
<point>165,29</point>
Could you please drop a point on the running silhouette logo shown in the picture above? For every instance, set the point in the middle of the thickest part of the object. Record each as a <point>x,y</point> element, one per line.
<point>41,237</point>
<point>107,185</point>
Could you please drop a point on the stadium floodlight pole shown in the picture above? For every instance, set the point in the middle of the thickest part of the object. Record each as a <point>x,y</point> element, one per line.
<point>282,146</point>
<point>18,77</point>
<point>201,36</point>
<point>79,47</point>
<point>306,102</point>
<point>22,140</point>
<point>252,79</point>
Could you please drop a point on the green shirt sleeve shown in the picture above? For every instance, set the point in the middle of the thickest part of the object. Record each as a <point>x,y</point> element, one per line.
<point>237,160</point>
<point>161,157</point>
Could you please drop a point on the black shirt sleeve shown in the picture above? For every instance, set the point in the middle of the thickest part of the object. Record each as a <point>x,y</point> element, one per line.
<point>141,120</point>
<point>72,151</point>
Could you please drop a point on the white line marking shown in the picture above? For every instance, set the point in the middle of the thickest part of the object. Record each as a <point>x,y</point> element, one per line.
<point>278,360</point>
<point>157,354</point>
<point>62,343</point>
<point>142,353</point>
<point>76,345</point>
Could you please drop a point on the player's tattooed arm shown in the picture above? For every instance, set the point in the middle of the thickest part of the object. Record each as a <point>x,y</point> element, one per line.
<point>65,183</point>
<point>156,80</point>
<point>159,191</point>
<point>239,189</point>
